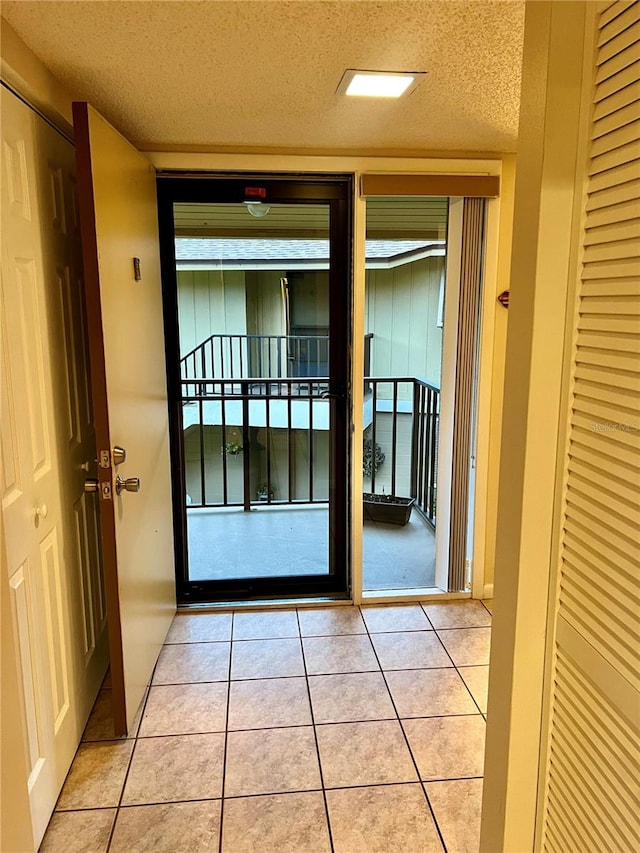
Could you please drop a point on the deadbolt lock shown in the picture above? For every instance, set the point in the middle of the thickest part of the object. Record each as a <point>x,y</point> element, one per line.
<point>131,484</point>
<point>118,455</point>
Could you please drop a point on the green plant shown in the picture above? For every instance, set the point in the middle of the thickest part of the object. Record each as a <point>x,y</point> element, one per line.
<point>233,448</point>
<point>264,491</point>
<point>370,461</point>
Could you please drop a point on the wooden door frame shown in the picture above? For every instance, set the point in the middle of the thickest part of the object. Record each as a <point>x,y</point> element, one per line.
<point>337,192</point>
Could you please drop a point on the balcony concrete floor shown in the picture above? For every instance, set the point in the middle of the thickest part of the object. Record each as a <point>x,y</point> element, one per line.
<point>284,540</point>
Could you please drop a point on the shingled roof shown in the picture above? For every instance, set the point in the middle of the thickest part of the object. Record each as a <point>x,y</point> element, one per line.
<point>292,253</point>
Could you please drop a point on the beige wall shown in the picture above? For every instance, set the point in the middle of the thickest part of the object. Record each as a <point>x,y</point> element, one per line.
<point>401,309</point>
<point>544,234</point>
<point>20,64</point>
<point>24,71</point>
<point>494,345</point>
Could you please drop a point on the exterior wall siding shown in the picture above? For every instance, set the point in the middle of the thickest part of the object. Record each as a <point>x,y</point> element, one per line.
<point>265,313</point>
<point>210,302</point>
<point>401,310</point>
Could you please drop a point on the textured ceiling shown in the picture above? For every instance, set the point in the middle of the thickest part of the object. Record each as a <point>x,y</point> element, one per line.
<point>248,74</point>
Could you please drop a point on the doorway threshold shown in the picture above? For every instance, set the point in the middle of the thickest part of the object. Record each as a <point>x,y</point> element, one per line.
<point>388,596</point>
<point>263,604</point>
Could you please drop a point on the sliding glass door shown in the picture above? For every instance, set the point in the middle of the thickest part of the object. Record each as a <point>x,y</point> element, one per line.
<point>257,278</point>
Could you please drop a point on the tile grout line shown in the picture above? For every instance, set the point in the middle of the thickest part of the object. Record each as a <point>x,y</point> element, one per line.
<point>120,805</point>
<point>406,739</point>
<point>486,608</point>
<point>226,735</point>
<point>82,741</point>
<point>468,691</point>
<point>313,675</point>
<point>473,698</point>
<point>129,806</point>
<point>271,728</point>
<point>130,762</point>
<point>322,636</point>
<point>315,736</point>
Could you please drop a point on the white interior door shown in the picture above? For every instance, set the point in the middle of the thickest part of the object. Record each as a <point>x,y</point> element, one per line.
<point>118,214</point>
<point>51,543</point>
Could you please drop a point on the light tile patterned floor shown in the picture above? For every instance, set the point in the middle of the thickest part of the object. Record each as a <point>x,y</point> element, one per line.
<point>344,729</point>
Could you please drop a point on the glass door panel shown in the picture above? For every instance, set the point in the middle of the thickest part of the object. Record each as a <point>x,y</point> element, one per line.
<point>259,387</point>
<point>404,292</point>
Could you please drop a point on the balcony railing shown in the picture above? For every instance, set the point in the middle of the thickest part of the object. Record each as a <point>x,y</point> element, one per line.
<point>268,425</point>
<point>402,418</point>
<point>264,439</point>
<point>271,356</point>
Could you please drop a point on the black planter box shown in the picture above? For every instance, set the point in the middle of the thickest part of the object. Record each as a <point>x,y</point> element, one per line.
<point>388,509</point>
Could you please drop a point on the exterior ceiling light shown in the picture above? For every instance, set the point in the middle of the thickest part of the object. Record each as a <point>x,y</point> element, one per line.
<point>257,208</point>
<point>379,84</point>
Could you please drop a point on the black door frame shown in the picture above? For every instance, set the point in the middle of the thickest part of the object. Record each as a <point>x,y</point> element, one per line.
<point>337,192</point>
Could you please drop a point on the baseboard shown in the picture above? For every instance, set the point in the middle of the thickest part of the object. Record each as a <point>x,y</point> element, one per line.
<point>487,592</point>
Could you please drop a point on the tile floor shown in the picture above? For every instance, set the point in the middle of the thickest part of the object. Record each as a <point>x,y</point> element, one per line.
<point>346,729</point>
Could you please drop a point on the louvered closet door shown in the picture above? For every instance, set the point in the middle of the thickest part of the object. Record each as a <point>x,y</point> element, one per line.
<point>594,747</point>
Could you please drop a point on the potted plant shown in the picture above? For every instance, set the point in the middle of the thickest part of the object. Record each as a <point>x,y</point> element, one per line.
<point>265,493</point>
<point>389,509</point>
<point>233,448</point>
<point>371,461</point>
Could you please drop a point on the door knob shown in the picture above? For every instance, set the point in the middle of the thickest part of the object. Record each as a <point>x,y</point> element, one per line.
<point>42,511</point>
<point>91,484</point>
<point>131,484</point>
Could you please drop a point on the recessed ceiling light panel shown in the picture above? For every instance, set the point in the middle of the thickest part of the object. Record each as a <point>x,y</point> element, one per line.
<point>379,84</point>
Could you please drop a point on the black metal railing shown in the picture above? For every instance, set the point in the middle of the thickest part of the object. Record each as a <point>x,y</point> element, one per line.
<point>265,440</point>
<point>250,414</point>
<point>272,356</point>
<point>404,431</point>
